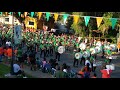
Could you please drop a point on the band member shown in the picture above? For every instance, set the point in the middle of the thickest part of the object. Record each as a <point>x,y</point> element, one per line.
<point>103,51</point>
<point>42,49</point>
<point>82,59</point>
<point>47,49</point>
<point>51,49</point>
<point>75,61</point>
<point>57,54</point>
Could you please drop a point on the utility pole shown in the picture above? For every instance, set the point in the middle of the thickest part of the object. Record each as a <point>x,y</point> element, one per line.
<point>12,44</point>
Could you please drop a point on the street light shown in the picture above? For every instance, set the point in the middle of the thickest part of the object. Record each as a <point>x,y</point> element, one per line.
<point>11,71</point>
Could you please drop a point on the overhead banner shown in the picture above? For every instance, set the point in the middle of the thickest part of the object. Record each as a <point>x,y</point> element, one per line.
<point>99,20</point>
<point>17,34</point>
<point>39,15</point>
<point>76,18</point>
<point>113,21</point>
<point>86,18</point>
<point>56,16</point>
<point>32,14</point>
<point>65,16</point>
<point>10,13</point>
<point>19,13</point>
<point>47,15</point>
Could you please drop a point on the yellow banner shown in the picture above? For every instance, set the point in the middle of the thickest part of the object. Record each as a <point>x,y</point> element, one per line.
<point>76,18</point>
<point>99,20</point>
<point>25,14</point>
<point>55,16</point>
<point>39,15</point>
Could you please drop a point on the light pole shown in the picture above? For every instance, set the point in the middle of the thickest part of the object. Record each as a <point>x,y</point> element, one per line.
<point>11,71</point>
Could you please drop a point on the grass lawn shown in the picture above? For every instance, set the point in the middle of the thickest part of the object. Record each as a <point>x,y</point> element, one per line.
<point>4,69</point>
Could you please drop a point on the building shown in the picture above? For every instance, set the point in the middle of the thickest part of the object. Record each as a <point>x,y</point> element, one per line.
<point>30,22</point>
<point>9,20</point>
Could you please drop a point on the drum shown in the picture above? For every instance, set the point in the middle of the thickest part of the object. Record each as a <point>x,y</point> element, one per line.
<point>106,47</point>
<point>97,49</point>
<point>86,54</point>
<point>111,67</point>
<point>113,47</point>
<point>77,55</point>
<point>82,46</point>
<point>61,49</point>
<point>92,50</point>
<point>99,44</point>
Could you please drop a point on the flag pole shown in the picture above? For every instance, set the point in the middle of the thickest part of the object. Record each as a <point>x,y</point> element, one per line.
<point>12,44</point>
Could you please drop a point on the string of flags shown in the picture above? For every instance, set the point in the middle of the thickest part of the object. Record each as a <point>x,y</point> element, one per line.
<point>65,17</point>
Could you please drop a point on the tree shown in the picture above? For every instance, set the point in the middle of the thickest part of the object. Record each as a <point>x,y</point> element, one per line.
<point>79,28</point>
<point>105,25</point>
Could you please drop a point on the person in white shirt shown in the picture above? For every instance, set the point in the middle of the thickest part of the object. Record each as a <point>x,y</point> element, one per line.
<point>87,61</point>
<point>17,70</point>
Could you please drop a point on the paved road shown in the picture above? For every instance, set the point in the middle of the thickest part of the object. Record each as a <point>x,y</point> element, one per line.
<point>68,59</point>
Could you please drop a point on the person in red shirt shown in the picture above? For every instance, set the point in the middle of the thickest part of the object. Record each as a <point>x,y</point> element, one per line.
<point>105,72</point>
<point>5,53</point>
<point>1,53</point>
<point>9,53</point>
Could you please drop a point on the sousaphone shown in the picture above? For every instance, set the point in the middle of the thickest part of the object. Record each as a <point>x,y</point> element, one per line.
<point>61,49</point>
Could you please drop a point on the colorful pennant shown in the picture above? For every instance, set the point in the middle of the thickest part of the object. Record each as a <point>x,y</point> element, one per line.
<point>47,15</point>
<point>19,13</point>
<point>0,13</point>
<point>76,18</point>
<point>65,16</point>
<point>56,16</point>
<point>86,18</point>
<point>113,21</point>
<point>39,15</point>
<point>32,14</point>
<point>25,14</point>
<point>10,13</point>
<point>99,20</point>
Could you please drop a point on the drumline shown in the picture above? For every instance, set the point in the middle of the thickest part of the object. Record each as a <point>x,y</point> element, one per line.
<point>94,50</point>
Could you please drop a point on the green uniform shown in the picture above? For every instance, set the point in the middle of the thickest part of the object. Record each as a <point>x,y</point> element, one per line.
<point>56,48</point>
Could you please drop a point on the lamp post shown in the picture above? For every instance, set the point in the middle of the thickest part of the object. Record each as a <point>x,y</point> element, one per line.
<point>11,71</point>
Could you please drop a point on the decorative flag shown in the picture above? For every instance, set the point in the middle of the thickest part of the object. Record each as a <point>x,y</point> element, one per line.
<point>10,13</point>
<point>76,17</point>
<point>0,13</point>
<point>87,18</point>
<point>113,20</point>
<point>47,15</point>
<point>32,14</point>
<point>22,15</point>
<point>99,20</point>
<point>55,16</point>
<point>25,14</point>
<point>6,13</point>
<point>19,13</point>
<point>39,14</point>
<point>65,17</point>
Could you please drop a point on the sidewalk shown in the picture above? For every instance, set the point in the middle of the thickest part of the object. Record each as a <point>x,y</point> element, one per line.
<point>35,74</point>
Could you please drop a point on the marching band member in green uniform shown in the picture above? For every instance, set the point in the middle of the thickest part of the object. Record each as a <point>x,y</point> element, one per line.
<point>57,54</point>
<point>42,49</point>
